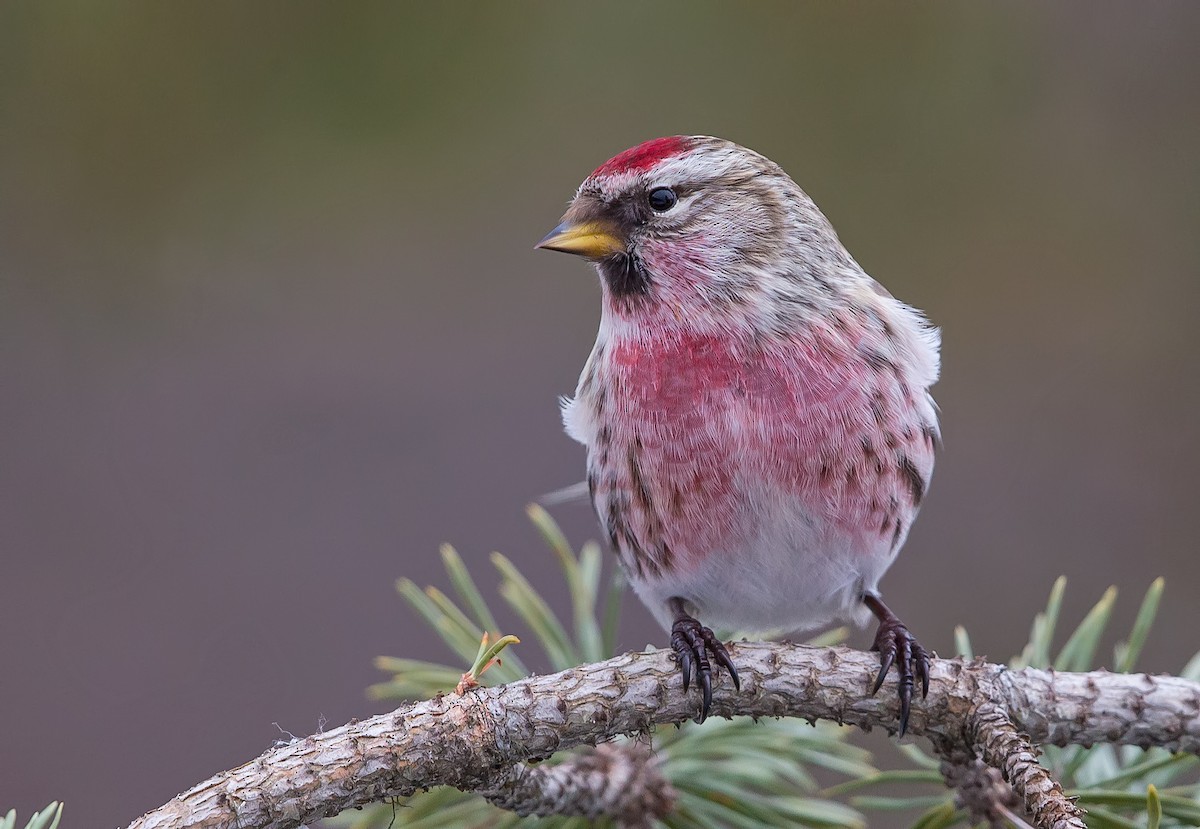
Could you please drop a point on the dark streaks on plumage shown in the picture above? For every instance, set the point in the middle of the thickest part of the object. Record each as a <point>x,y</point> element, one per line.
<point>872,457</point>
<point>676,500</point>
<point>604,443</point>
<point>878,404</point>
<point>916,483</point>
<point>822,281</point>
<point>665,556</point>
<point>654,530</point>
<point>930,433</point>
<point>614,525</point>
<point>640,491</point>
<point>880,321</point>
<point>789,298</point>
<point>878,361</point>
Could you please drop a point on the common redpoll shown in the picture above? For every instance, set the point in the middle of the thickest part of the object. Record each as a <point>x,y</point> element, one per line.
<point>756,411</point>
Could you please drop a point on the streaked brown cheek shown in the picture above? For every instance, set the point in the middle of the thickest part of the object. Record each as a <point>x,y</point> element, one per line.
<point>739,228</point>
<point>764,221</point>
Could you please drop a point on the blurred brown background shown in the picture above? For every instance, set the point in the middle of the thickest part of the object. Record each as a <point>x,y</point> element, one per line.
<point>271,325</point>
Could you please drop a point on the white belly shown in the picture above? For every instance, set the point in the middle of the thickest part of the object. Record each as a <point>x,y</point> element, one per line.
<point>791,574</point>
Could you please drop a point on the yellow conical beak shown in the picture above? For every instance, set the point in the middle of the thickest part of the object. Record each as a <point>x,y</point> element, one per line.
<point>591,239</point>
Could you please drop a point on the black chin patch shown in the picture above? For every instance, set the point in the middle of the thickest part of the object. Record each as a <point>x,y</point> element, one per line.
<point>625,276</point>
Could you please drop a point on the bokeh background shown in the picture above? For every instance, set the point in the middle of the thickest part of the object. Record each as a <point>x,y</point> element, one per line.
<point>272,328</point>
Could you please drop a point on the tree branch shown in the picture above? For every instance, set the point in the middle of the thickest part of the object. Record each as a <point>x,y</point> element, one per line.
<point>472,741</point>
<point>620,780</point>
<point>1001,746</point>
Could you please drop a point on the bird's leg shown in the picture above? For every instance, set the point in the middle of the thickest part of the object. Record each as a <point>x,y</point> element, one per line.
<point>692,643</point>
<point>896,644</point>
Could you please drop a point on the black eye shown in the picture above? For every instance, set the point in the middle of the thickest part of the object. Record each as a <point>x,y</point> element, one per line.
<point>662,199</point>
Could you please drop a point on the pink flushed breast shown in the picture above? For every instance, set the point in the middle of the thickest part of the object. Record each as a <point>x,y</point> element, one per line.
<point>698,428</point>
<point>644,156</point>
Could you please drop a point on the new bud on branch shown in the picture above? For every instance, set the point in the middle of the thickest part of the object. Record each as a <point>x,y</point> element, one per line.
<point>756,409</point>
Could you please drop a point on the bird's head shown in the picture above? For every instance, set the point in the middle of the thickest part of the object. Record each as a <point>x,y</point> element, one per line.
<point>697,228</point>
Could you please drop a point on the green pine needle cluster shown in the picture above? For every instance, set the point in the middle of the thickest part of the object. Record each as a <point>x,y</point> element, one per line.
<point>45,819</point>
<point>1120,787</point>
<point>741,773</point>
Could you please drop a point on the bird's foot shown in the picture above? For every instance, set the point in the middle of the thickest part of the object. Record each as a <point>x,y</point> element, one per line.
<point>896,644</point>
<point>692,643</point>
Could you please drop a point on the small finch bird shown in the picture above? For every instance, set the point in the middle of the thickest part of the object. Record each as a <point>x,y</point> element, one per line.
<point>756,411</point>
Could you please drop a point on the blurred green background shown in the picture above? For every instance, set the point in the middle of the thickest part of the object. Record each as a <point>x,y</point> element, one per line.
<point>271,325</point>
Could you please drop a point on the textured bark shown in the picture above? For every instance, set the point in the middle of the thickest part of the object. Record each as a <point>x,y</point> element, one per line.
<point>472,741</point>
<point>620,780</point>
<point>1000,746</point>
<point>980,789</point>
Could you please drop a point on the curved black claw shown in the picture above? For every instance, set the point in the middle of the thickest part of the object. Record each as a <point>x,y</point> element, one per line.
<point>896,645</point>
<point>692,643</point>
